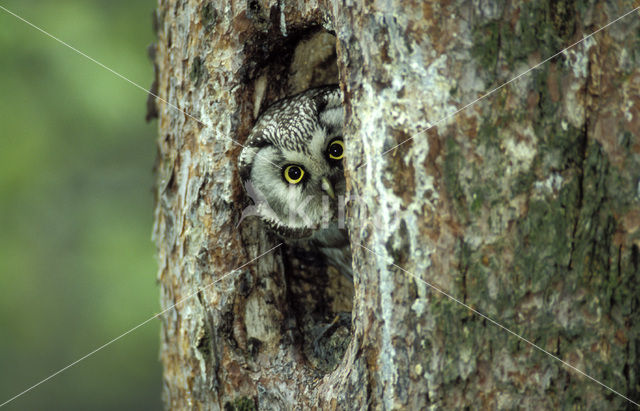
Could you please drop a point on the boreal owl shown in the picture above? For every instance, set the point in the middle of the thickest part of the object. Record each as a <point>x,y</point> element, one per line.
<point>291,167</point>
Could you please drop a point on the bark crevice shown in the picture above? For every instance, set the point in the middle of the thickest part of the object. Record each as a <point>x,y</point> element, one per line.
<point>524,205</point>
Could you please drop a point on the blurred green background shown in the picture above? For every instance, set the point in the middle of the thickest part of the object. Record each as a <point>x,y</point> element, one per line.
<point>77,263</point>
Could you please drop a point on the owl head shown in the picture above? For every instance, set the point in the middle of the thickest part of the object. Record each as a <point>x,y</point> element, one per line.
<point>291,164</point>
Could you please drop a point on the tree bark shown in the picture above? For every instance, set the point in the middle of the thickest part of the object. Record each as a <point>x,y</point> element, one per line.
<point>524,206</point>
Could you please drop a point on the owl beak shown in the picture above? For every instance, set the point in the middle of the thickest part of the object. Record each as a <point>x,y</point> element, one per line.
<point>328,188</point>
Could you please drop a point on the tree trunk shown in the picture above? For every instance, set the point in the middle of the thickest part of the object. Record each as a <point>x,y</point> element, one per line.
<point>524,206</point>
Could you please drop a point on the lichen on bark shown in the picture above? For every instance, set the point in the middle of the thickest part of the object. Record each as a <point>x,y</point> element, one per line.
<point>523,206</point>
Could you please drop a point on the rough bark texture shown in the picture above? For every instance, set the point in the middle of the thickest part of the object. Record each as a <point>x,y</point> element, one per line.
<point>525,206</point>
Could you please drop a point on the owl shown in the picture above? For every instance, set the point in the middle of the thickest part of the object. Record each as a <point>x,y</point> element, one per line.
<point>291,167</point>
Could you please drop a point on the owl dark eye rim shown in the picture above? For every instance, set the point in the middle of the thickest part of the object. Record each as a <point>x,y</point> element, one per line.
<point>293,173</point>
<point>339,143</point>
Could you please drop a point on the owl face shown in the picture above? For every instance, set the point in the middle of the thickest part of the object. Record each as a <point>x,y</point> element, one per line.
<point>292,161</point>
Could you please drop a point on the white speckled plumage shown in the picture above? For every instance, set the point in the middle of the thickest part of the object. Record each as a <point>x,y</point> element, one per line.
<point>298,130</point>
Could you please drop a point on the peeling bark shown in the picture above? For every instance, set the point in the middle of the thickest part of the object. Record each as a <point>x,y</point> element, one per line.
<point>525,206</point>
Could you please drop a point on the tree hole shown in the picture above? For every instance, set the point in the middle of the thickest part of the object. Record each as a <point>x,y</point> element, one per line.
<point>319,296</point>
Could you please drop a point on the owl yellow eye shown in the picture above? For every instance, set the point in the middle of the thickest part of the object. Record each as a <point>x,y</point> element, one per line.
<point>336,150</point>
<point>293,174</point>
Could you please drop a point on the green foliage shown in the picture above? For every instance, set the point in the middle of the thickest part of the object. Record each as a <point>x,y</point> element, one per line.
<point>76,156</point>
